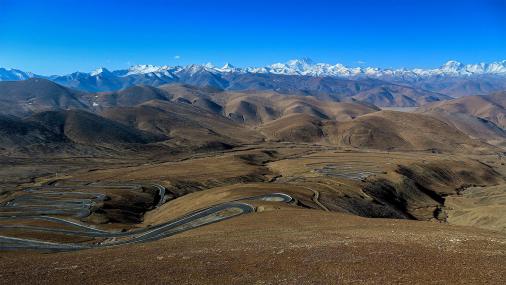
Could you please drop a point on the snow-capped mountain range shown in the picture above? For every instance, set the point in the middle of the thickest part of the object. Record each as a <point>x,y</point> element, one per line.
<point>451,68</point>
<point>293,67</point>
<point>453,78</point>
<point>14,74</point>
<point>309,68</point>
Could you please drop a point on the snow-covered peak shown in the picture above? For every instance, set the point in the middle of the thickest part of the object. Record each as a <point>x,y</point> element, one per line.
<point>149,70</point>
<point>193,69</point>
<point>452,66</point>
<point>301,63</point>
<point>498,67</point>
<point>227,67</point>
<point>100,71</point>
<point>292,67</point>
<point>303,66</point>
<point>145,68</point>
<point>14,74</point>
<point>308,67</point>
<point>455,68</point>
<point>209,65</point>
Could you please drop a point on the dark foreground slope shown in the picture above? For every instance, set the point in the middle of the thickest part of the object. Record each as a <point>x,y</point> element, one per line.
<point>34,95</point>
<point>87,128</point>
<point>73,131</point>
<point>264,248</point>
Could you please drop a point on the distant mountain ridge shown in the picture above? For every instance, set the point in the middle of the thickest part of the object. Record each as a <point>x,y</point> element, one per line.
<point>453,79</point>
<point>308,67</point>
<point>39,115</point>
<point>14,74</point>
<point>303,66</point>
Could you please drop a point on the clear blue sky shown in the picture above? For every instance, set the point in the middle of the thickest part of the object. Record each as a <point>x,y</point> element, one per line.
<point>63,36</point>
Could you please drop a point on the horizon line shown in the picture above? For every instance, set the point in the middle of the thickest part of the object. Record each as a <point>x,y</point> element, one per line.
<point>360,64</point>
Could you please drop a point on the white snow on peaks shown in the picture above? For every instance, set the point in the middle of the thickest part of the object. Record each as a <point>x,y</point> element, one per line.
<point>227,67</point>
<point>452,66</point>
<point>14,74</point>
<point>99,71</point>
<point>150,70</point>
<point>308,67</point>
<point>455,68</point>
<point>145,68</point>
<point>304,66</point>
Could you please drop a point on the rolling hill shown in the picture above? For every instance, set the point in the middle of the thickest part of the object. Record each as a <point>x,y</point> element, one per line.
<point>126,97</point>
<point>86,128</point>
<point>383,130</point>
<point>34,95</point>
<point>19,134</point>
<point>489,107</point>
<point>391,130</point>
<point>183,124</point>
<point>399,96</point>
<point>462,86</point>
<point>70,132</point>
<point>254,108</point>
<point>294,128</point>
<point>193,117</point>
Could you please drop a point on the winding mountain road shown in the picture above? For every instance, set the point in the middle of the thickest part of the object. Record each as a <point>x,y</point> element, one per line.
<point>189,221</point>
<point>316,198</point>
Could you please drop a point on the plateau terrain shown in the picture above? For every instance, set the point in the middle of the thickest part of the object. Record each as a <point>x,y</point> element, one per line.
<point>281,175</point>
